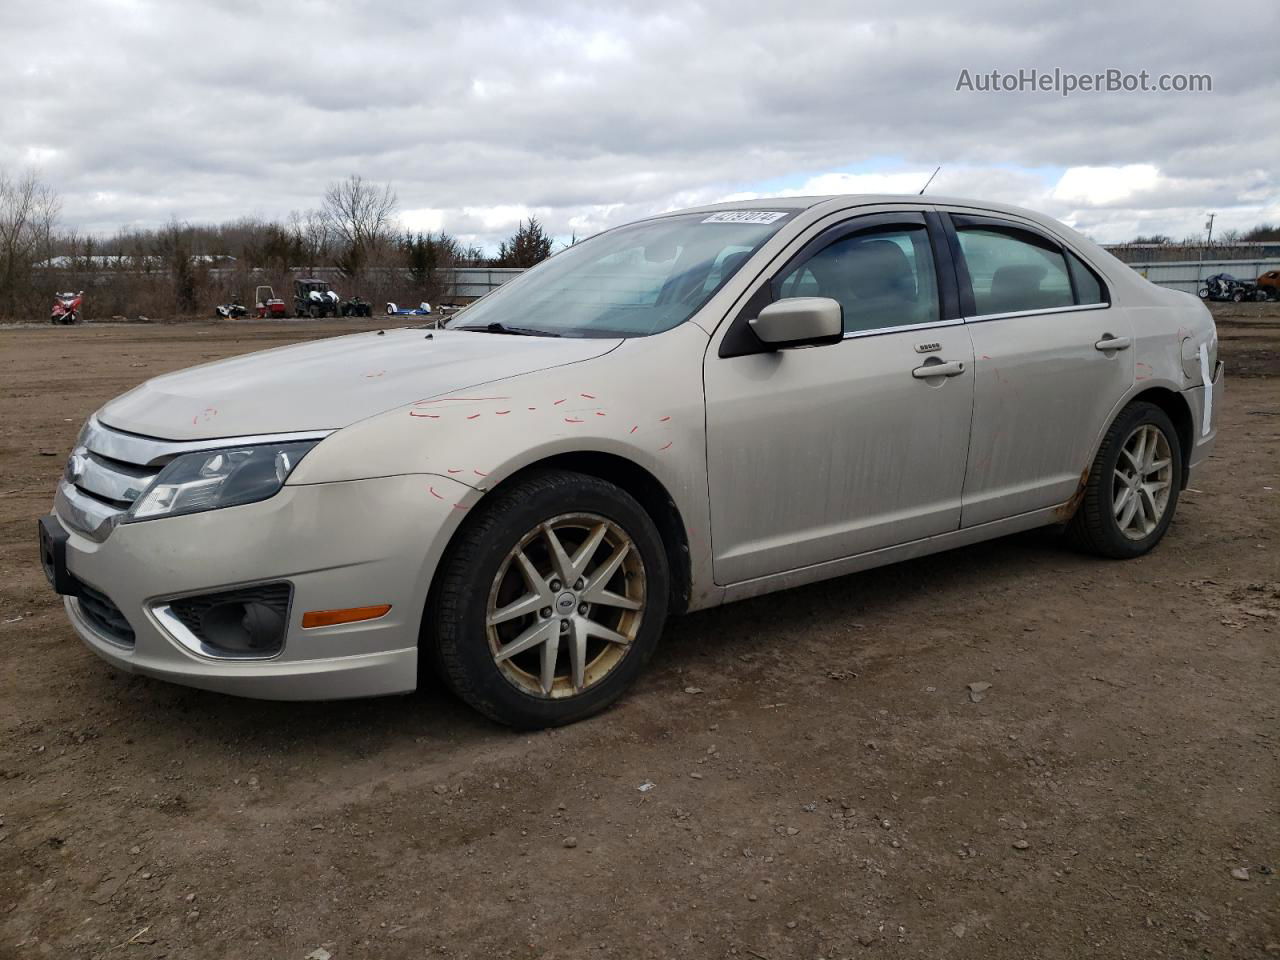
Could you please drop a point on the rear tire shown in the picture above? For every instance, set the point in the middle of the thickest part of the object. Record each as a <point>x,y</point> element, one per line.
<point>1132,490</point>
<point>597,636</point>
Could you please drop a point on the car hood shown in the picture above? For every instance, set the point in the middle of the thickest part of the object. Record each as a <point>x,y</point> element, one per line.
<point>328,384</point>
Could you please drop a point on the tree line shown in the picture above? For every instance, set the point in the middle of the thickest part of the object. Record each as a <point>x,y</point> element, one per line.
<point>353,237</point>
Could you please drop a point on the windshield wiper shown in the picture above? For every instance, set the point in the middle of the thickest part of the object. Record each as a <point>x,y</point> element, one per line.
<point>513,331</point>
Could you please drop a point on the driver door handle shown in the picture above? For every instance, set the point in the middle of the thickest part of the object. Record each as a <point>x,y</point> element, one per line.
<point>1109,342</point>
<point>949,368</point>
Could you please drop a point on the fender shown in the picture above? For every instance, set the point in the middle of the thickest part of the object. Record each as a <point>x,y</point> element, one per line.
<point>484,434</point>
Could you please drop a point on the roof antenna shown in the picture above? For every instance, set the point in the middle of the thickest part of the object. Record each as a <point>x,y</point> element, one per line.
<point>929,181</point>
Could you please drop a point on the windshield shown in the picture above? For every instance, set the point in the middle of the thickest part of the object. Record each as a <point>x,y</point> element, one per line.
<point>634,281</point>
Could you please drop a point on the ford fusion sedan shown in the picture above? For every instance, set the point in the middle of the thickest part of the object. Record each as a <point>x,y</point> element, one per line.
<point>692,409</point>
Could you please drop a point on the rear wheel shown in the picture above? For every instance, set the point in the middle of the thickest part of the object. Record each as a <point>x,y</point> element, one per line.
<point>1133,485</point>
<point>552,599</point>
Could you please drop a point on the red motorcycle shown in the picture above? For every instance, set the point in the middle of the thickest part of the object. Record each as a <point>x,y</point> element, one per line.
<point>67,308</point>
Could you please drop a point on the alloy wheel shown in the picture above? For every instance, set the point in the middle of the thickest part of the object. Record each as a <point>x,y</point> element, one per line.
<point>1142,482</point>
<point>565,605</point>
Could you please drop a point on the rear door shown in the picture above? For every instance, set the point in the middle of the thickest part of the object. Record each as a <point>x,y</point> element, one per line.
<point>1051,360</point>
<point>819,453</point>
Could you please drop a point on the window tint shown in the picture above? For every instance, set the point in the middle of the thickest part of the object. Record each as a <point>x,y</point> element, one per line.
<point>882,278</point>
<point>1088,286</point>
<point>1014,271</point>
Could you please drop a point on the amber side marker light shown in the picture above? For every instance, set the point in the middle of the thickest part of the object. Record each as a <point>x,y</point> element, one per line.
<point>331,618</point>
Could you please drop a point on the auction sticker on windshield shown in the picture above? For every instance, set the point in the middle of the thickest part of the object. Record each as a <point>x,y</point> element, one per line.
<point>745,216</point>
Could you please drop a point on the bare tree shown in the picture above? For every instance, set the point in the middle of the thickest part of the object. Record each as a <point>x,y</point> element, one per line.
<point>28,213</point>
<point>360,216</point>
<point>312,237</point>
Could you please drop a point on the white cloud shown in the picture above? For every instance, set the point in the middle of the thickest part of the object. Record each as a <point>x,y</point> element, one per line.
<point>1099,186</point>
<point>588,115</point>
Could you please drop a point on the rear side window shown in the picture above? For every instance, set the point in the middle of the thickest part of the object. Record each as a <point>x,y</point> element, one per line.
<point>1012,271</point>
<point>1088,287</point>
<point>882,278</point>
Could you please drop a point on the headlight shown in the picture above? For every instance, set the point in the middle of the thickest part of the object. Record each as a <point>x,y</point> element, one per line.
<point>218,478</point>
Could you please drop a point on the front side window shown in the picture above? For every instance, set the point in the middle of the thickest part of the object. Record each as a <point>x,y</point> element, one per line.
<point>881,278</point>
<point>1014,271</point>
<point>634,281</point>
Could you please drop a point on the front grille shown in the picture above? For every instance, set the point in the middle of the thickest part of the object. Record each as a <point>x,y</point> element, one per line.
<point>106,473</point>
<point>104,615</point>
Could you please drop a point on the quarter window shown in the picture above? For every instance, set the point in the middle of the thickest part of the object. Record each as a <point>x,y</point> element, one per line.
<point>1087,285</point>
<point>1011,271</point>
<point>881,278</point>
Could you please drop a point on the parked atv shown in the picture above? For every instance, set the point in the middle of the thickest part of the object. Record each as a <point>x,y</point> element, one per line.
<point>314,298</point>
<point>268,305</point>
<point>357,307</point>
<point>232,310</point>
<point>67,308</point>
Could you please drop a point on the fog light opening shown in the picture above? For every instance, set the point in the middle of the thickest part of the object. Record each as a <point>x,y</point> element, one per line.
<point>243,627</point>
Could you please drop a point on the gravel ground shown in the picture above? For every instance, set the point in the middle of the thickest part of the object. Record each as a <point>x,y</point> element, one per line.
<point>826,780</point>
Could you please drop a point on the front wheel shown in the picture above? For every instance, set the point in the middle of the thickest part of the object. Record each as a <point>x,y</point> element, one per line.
<point>1133,485</point>
<point>551,601</point>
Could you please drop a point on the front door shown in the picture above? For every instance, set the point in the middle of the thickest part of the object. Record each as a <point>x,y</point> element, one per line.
<point>819,453</point>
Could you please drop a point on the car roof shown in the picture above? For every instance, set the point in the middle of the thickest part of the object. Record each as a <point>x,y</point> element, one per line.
<point>839,200</point>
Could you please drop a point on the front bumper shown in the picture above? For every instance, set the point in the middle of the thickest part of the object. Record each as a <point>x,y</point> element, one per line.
<point>346,544</point>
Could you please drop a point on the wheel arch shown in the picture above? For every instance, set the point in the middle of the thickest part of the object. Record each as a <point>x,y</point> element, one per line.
<point>1175,406</point>
<point>648,491</point>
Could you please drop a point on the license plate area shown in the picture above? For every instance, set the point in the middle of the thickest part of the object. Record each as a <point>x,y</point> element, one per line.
<point>53,556</point>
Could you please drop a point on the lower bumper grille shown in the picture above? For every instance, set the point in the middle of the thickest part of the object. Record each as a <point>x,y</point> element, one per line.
<point>104,615</point>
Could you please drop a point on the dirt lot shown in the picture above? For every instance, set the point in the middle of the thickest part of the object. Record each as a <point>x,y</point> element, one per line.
<point>832,791</point>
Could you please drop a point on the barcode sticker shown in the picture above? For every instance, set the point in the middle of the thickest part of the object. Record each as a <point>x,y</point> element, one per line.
<point>745,216</point>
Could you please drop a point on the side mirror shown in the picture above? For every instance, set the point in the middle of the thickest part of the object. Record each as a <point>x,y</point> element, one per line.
<point>799,322</point>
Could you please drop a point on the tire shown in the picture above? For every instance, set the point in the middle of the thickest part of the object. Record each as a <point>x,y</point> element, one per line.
<point>314,312</point>
<point>484,562</point>
<point>1203,293</point>
<point>1237,297</point>
<point>1096,527</point>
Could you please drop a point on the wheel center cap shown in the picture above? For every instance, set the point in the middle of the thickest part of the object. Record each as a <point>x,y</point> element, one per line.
<point>566,602</point>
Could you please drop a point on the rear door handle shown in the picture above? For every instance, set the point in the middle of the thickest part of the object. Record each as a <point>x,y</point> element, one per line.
<point>1108,342</point>
<point>949,368</point>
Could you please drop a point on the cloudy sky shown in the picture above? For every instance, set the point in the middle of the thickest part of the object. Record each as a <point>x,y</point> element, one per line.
<point>587,115</point>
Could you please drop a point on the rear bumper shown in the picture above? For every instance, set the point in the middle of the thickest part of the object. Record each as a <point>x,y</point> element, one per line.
<point>1205,403</point>
<point>339,545</point>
